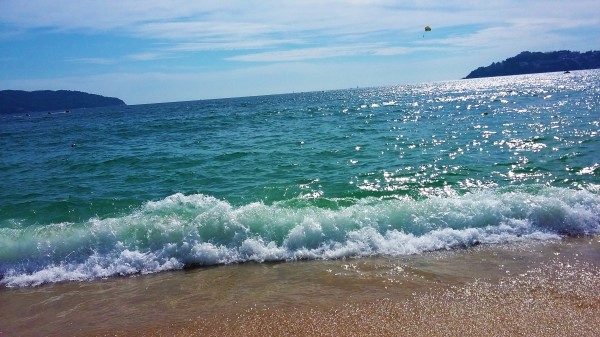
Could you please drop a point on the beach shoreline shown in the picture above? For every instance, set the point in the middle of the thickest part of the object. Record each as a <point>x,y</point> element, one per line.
<point>533,288</point>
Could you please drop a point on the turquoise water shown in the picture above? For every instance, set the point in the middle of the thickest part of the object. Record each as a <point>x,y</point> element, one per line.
<point>377,171</point>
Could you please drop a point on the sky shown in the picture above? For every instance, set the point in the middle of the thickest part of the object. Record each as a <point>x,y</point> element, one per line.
<point>151,51</point>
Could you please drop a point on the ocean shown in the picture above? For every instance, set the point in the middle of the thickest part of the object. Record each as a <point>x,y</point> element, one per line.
<point>391,171</point>
<point>467,207</point>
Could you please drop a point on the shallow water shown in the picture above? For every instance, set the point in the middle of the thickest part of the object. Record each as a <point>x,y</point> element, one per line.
<point>145,303</point>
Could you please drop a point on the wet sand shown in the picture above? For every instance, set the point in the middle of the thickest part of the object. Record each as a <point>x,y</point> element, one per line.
<point>533,289</point>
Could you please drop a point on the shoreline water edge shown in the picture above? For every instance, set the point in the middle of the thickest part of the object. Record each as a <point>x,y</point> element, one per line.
<point>535,288</point>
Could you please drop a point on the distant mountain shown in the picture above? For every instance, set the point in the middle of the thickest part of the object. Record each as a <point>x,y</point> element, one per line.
<point>537,62</point>
<point>18,101</point>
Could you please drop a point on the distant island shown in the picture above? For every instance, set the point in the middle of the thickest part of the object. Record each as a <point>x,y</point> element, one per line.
<point>18,101</point>
<point>538,62</point>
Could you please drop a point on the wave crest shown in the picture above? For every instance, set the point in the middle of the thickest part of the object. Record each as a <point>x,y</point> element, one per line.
<point>184,230</point>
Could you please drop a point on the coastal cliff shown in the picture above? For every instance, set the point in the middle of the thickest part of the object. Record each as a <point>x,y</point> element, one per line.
<point>18,101</point>
<point>538,62</point>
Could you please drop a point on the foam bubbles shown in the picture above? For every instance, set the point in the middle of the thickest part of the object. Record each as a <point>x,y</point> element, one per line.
<point>185,230</point>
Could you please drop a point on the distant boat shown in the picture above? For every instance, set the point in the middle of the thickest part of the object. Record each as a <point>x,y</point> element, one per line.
<point>567,72</point>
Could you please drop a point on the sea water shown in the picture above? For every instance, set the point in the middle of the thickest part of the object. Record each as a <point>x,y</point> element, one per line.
<point>387,171</point>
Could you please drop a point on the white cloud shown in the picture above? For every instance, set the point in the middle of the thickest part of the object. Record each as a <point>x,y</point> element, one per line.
<point>92,15</point>
<point>245,24</point>
<point>94,60</point>
<point>303,54</point>
<point>148,56</point>
<point>391,51</point>
<point>110,14</point>
<point>242,45</point>
<point>194,30</point>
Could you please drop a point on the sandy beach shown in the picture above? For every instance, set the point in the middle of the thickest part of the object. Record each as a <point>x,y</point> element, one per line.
<point>533,289</point>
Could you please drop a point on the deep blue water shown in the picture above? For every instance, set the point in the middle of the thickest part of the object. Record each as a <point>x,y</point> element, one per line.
<point>348,173</point>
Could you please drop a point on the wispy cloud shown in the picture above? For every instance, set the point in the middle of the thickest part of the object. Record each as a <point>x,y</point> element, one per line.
<point>237,25</point>
<point>514,34</point>
<point>200,30</point>
<point>303,54</point>
<point>93,60</point>
<point>148,56</point>
<point>232,45</point>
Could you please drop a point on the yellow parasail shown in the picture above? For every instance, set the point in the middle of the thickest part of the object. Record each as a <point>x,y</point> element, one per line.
<point>427,28</point>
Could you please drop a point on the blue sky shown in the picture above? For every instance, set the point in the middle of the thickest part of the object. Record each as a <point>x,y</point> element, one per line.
<point>150,51</point>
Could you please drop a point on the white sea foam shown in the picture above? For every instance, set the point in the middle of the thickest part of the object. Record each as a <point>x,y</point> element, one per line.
<point>184,230</point>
